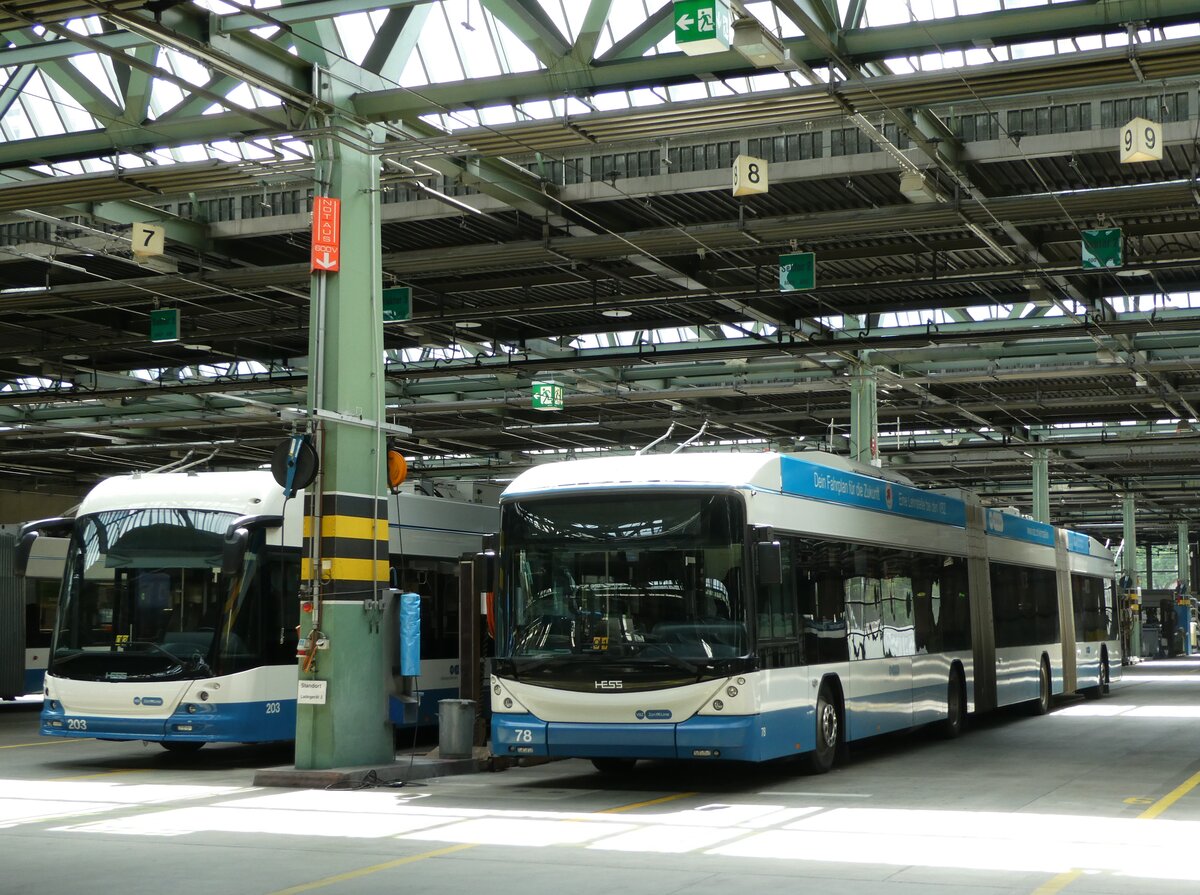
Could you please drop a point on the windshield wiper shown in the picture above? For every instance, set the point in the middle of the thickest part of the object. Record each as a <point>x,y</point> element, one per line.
<point>672,660</point>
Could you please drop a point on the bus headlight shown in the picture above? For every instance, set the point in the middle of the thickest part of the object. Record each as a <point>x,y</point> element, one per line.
<point>508,703</point>
<point>718,705</point>
<point>731,691</point>
<point>191,709</point>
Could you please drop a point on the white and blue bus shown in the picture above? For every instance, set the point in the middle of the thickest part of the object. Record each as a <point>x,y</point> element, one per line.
<point>162,636</point>
<point>754,606</point>
<point>27,604</point>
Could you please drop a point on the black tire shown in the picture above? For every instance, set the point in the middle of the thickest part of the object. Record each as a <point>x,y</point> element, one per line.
<point>614,765</point>
<point>1041,705</point>
<point>182,747</point>
<point>956,706</point>
<point>1102,689</point>
<point>828,732</point>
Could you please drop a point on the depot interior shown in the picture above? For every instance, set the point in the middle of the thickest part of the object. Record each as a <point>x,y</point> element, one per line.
<point>857,227</point>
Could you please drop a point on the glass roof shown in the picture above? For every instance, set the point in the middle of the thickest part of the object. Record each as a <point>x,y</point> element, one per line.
<point>458,40</point>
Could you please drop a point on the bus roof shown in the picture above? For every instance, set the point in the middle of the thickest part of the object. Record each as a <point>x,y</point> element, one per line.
<point>245,493</point>
<point>813,474</point>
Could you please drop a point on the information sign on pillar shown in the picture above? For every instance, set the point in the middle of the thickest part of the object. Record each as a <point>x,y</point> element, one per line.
<point>326,233</point>
<point>1141,141</point>
<point>749,175</point>
<point>1102,248</point>
<point>703,26</point>
<point>797,272</point>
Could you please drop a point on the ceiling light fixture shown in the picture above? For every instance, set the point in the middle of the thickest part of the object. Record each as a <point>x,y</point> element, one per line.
<point>468,324</point>
<point>75,357</point>
<point>615,312</point>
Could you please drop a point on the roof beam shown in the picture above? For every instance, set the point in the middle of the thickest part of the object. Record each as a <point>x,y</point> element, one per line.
<point>396,41</point>
<point>79,87</point>
<point>641,39</point>
<point>14,86</point>
<point>821,12</point>
<point>529,22</point>
<point>137,83</point>
<point>591,29</point>
<point>613,71</point>
<point>122,137</point>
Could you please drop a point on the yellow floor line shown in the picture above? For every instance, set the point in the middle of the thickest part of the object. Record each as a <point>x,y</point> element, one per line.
<point>1172,797</point>
<point>678,795</point>
<point>1059,883</point>
<point>1063,880</point>
<point>366,871</point>
<point>41,743</point>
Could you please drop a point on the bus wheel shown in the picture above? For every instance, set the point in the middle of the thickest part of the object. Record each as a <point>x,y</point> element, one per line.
<point>1101,688</point>
<point>1041,705</point>
<point>956,706</point>
<point>829,732</point>
<point>181,747</point>
<point>614,765</point>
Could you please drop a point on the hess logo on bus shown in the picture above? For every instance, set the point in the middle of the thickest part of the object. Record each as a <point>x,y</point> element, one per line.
<point>610,685</point>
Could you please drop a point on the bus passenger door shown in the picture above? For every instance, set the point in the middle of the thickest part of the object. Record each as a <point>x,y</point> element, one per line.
<point>899,647</point>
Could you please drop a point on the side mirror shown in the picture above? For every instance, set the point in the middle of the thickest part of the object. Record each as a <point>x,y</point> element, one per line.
<point>59,527</point>
<point>768,557</point>
<point>237,540</point>
<point>234,550</point>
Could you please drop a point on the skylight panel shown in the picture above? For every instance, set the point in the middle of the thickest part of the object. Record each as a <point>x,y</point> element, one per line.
<point>567,16</point>
<point>97,71</point>
<point>16,124</point>
<point>40,107</point>
<point>356,32</point>
<point>437,51</point>
<point>623,17</point>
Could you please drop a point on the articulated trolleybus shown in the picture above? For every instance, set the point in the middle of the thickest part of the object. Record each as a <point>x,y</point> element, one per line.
<point>173,627</point>
<point>754,606</point>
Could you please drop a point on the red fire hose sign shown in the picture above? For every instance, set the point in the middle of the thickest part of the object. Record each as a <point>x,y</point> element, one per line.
<point>326,233</point>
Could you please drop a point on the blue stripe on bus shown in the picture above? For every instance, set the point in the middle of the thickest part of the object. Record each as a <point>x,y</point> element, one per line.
<point>1018,528</point>
<point>852,489</point>
<point>737,738</point>
<point>244,722</point>
<point>1079,543</point>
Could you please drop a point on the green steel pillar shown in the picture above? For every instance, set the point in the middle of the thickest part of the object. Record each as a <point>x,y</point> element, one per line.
<point>1130,571</point>
<point>1129,556</point>
<point>346,559</point>
<point>864,414</point>
<point>1185,556</point>
<point>1041,484</point>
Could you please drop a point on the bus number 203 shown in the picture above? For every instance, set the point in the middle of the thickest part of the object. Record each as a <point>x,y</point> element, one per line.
<point>273,708</point>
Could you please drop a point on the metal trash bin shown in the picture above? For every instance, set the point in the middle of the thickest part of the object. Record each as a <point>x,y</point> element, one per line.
<point>456,727</point>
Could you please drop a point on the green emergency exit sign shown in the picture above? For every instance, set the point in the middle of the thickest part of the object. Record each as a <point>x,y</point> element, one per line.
<point>702,26</point>
<point>1102,248</point>
<point>547,396</point>
<point>798,272</point>
<point>397,304</point>
<point>164,325</point>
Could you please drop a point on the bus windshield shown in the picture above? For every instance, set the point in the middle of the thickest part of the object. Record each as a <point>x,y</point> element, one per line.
<point>143,596</point>
<point>623,577</point>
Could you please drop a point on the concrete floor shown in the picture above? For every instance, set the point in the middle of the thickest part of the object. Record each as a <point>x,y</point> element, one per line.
<point>1097,797</point>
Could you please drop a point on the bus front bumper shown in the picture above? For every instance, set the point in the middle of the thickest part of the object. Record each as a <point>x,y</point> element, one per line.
<point>700,737</point>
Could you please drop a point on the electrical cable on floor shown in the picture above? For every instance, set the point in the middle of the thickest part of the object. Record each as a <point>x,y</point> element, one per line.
<point>370,780</point>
